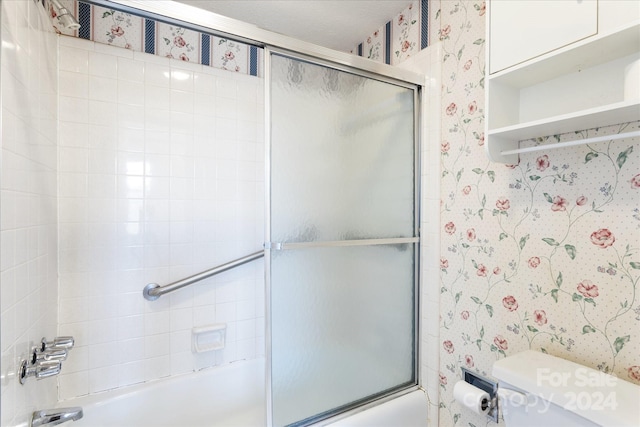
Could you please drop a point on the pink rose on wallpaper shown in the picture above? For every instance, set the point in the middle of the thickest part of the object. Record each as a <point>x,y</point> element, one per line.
<point>581,201</point>
<point>116,30</point>
<point>229,55</point>
<point>510,303</point>
<point>540,317</point>
<point>481,139</point>
<point>588,289</point>
<point>451,109</point>
<point>481,271</point>
<point>369,40</point>
<point>468,360</point>
<point>52,11</point>
<point>635,182</point>
<point>444,263</point>
<point>237,69</point>
<point>500,342</point>
<point>483,8</point>
<point>603,238</point>
<point>401,19</point>
<point>179,41</point>
<point>184,57</point>
<point>464,315</point>
<point>444,147</point>
<point>443,379</point>
<point>559,204</point>
<point>444,33</point>
<point>471,234</point>
<point>503,204</point>
<point>542,163</point>
<point>405,45</point>
<point>128,46</point>
<point>497,271</point>
<point>534,262</point>
<point>450,228</point>
<point>473,107</point>
<point>467,65</point>
<point>376,34</point>
<point>634,372</point>
<point>448,346</point>
<point>466,190</point>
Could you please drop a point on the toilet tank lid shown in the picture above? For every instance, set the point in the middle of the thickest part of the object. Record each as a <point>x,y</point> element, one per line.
<point>601,398</point>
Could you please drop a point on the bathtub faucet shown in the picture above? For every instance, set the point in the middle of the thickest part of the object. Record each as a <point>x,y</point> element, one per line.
<point>52,417</point>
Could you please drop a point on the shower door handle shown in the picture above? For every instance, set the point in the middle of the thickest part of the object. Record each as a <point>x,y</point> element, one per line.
<point>281,246</point>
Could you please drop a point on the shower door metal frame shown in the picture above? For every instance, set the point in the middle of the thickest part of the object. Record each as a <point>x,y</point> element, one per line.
<point>269,246</point>
<point>209,22</point>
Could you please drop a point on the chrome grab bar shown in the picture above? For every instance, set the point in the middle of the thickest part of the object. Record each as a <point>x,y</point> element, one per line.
<point>153,291</point>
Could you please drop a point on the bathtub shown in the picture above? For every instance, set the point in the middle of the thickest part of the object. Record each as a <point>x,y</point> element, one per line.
<point>231,395</point>
<point>228,396</point>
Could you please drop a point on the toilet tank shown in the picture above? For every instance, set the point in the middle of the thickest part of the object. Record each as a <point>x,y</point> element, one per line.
<point>537,389</point>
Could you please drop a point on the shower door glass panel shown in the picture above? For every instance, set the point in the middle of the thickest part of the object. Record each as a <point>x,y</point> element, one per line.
<point>342,301</point>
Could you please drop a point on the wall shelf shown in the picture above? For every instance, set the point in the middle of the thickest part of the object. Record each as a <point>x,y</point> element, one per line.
<point>576,87</point>
<point>620,112</point>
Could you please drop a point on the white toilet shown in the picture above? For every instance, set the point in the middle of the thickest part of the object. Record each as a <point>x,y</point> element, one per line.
<point>539,390</point>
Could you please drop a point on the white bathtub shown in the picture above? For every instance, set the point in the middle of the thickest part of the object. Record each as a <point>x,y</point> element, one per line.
<point>228,396</point>
<point>231,395</point>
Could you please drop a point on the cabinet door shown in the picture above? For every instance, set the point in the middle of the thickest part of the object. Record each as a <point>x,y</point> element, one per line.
<point>523,29</point>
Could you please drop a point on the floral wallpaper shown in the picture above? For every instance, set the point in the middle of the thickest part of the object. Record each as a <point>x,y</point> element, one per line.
<point>374,46</point>
<point>229,55</point>
<point>542,255</point>
<point>129,31</point>
<point>117,28</point>
<point>406,34</point>
<point>177,43</point>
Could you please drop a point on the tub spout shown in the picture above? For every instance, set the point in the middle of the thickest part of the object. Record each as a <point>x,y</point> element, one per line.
<point>52,417</point>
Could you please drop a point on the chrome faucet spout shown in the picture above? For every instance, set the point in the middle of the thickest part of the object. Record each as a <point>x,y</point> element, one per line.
<point>52,417</point>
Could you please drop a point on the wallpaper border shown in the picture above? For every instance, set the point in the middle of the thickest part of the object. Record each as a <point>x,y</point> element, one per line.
<point>141,33</point>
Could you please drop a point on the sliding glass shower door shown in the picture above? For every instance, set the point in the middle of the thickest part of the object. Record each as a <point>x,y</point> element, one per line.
<point>342,251</point>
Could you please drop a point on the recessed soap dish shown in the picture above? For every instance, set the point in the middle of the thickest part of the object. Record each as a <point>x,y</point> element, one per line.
<point>208,337</point>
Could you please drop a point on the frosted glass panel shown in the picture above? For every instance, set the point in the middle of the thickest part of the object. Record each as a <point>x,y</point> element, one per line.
<point>342,326</point>
<point>342,168</point>
<point>342,155</point>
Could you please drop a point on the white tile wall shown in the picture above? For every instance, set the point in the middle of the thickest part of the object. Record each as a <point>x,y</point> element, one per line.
<point>161,175</point>
<point>428,62</point>
<point>28,266</point>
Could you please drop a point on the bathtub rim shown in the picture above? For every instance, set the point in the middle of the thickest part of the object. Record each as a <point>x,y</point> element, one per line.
<point>369,405</point>
<point>124,392</point>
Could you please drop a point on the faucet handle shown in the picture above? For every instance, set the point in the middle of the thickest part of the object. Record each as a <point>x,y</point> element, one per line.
<point>42,369</point>
<point>48,369</point>
<point>50,354</point>
<point>65,342</point>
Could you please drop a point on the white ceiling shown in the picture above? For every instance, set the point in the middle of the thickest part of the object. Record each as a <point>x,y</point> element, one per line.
<point>337,24</point>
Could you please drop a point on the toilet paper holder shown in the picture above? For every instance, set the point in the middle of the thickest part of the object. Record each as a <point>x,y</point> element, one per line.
<point>491,387</point>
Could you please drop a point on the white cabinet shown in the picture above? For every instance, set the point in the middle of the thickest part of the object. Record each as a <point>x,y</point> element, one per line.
<point>523,29</point>
<point>568,87</point>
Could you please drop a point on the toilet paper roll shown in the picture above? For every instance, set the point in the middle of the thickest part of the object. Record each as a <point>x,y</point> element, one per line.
<point>471,397</point>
